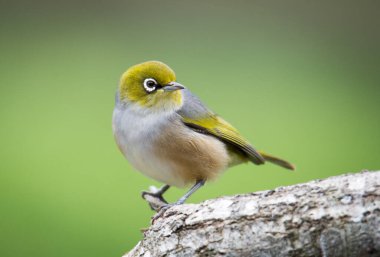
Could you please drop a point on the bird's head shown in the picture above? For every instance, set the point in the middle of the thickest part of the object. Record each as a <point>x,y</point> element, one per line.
<point>151,85</point>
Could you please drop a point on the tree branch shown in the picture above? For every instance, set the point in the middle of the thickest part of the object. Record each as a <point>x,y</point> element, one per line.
<point>338,216</point>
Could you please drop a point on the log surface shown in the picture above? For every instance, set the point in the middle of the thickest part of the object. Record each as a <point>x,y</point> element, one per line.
<point>337,216</point>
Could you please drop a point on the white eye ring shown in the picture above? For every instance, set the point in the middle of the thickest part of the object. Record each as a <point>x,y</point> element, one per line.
<point>150,85</point>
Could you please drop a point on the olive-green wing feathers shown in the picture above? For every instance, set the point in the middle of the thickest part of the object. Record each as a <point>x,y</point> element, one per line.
<point>219,128</point>
<point>196,116</point>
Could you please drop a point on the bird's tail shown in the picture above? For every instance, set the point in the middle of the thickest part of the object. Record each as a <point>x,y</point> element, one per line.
<point>277,161</point>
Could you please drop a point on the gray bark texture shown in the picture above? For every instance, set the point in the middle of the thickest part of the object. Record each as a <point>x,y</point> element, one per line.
<point>337,216</point>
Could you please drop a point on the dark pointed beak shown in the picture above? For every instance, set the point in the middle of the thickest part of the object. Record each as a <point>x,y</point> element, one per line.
<point>173,86</point>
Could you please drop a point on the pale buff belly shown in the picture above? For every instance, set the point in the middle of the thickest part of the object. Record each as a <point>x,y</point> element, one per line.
<point>164,149</point>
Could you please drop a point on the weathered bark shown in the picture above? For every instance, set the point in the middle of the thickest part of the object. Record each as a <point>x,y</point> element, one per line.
<point>338,216</point>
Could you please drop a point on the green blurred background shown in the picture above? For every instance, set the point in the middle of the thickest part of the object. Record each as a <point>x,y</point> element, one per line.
<point>300,79</point>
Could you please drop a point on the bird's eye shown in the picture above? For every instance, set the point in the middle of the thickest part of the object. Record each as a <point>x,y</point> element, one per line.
<point>150,85</point>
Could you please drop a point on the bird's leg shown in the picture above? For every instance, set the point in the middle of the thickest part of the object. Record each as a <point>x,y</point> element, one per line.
<point>192,190</point>
<point>158,203</point>
<point>181,200</point>
<point>155,197</point>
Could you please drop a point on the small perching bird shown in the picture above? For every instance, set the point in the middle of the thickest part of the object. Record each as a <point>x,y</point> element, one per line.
<point>166,132</point>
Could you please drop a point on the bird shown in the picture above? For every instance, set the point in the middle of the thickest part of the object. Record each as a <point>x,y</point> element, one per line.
<point>169,135</point>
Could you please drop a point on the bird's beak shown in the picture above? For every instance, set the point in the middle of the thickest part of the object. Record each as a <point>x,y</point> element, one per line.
<point>173,86</point>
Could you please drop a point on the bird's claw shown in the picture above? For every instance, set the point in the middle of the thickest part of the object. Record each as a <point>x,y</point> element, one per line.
<point>162,210</point>
<point>154,195</point>
<point>167,206</point>
<point>155,199</point>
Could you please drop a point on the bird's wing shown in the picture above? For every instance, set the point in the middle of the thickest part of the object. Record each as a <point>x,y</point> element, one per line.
<point>198,117</point>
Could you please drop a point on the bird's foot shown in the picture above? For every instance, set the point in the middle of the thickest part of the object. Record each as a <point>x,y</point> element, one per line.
<point>169,205</point>
<point>163,209</point>
<point>154,198</point>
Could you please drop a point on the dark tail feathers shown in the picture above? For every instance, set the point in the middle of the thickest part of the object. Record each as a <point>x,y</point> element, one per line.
<point>277,161</point>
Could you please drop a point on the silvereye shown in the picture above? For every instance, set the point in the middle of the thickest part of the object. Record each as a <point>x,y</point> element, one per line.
<point>168,134</point>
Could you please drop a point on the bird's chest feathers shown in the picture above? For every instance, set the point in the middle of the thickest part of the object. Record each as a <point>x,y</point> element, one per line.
<point>136,135</point>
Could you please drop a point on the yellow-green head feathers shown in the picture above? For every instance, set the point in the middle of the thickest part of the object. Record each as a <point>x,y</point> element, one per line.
<point>151,85</point>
